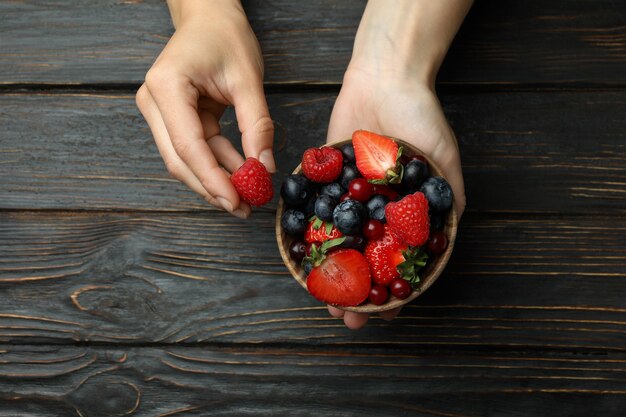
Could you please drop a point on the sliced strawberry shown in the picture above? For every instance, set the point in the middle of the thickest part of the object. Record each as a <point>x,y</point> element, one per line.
<point>376,157</point>
<point>342,278</point>
<point>319,231</point>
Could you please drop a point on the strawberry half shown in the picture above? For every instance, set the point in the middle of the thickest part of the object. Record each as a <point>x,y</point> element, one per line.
<point>377,157</point>
<point>390,258</point>
<point>319,231</point>
<point>342,278</point>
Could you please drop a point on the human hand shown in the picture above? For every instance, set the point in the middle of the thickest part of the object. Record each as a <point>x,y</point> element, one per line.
<point>388,88</point>
<point>402,109</point>
<point>213,60</point>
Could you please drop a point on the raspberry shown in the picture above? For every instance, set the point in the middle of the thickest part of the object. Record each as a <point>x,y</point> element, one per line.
<point>253,183</point>
<point>409,218</point>
<point>322,164</point>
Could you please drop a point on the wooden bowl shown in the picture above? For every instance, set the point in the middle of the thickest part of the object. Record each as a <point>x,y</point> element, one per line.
<point>428,275</point>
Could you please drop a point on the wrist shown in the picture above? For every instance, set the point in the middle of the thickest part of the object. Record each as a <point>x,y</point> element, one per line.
<point>407,39</point>
<point>183,11</point>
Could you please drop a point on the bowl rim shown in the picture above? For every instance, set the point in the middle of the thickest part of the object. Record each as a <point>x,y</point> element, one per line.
<point>393,302</point>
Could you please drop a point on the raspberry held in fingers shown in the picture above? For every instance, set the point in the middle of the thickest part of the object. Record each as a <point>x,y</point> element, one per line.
<point>253,183</point>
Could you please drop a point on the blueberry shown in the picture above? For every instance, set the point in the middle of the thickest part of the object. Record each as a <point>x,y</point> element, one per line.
<point>296,190</point>
<point>324,206</point>
<point>308,267</point>
<point>348,173</point>
<point>376,207</point>
<point>415,172</point>
<point>437,221</point>
<point>348,153</point>
<point>349,217</point>
<point>438,193</point>
<point>293,222</point>
<point>309,208</point>
<point>357,242</point>
<point>334,189</point>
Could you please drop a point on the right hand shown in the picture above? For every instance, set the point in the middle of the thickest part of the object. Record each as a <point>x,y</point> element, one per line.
<point>213,60</point>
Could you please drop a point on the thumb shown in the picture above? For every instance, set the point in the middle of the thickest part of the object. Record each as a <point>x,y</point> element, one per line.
<point>256,125</point>
<point>446,155</point>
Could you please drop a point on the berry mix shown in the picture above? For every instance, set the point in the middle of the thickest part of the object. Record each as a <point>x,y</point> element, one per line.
<point>364,220</point>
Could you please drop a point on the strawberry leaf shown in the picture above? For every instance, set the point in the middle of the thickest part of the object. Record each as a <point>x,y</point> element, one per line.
<point>332,243</point>
<point>415,260</point>
<point>317,223</point>
<point>318,255</point>
<point>329,228</point>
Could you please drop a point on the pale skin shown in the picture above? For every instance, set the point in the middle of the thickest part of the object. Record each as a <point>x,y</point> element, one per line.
<point>389,87</point>
<point>213,60</point>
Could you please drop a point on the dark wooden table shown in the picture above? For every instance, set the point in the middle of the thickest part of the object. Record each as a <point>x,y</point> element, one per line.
<point>122,293</point>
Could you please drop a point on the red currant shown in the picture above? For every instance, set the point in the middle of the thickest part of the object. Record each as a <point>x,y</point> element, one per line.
<point>419,157</point>
<point>437,243</point>
<point>360,189</point>
<point>400,288</point>
<point>297,250</point>
<point>378,295</point>
<point>345,197</point>
<point>373,229</point>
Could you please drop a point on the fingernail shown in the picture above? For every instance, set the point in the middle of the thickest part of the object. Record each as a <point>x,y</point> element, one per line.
<point>240,213</point>
<point>228,206</point>
<point>267,158</point>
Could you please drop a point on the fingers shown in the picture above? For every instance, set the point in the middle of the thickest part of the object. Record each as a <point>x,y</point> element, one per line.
<point>335,312</point>
<point>446,155</point>
<point>256,126</point>
<point>177,99</point>
<point>390,314</point>
<point>226,153</point>
<point>175,166</point>
<point>355,321</point>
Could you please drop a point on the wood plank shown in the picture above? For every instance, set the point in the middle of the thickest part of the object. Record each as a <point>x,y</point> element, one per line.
<point>540,152</point>
<point>502,42</point>
<point>226,381</point>
<point>516,282</point>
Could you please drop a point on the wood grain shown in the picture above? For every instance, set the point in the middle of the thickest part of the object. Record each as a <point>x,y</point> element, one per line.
<point>543,152</point>
<point>300,380</point>
<point>502,42</point>
<point>516,282</point>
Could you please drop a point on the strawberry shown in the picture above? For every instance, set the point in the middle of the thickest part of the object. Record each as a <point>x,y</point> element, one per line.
<point>409,218</point>
<point>377,157</point>
<point>319,231</point>
<point>390,258</point>
<point>384,255</point>
<point>322,164</point>
<point>342,278</point>
<point>253,183</point>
